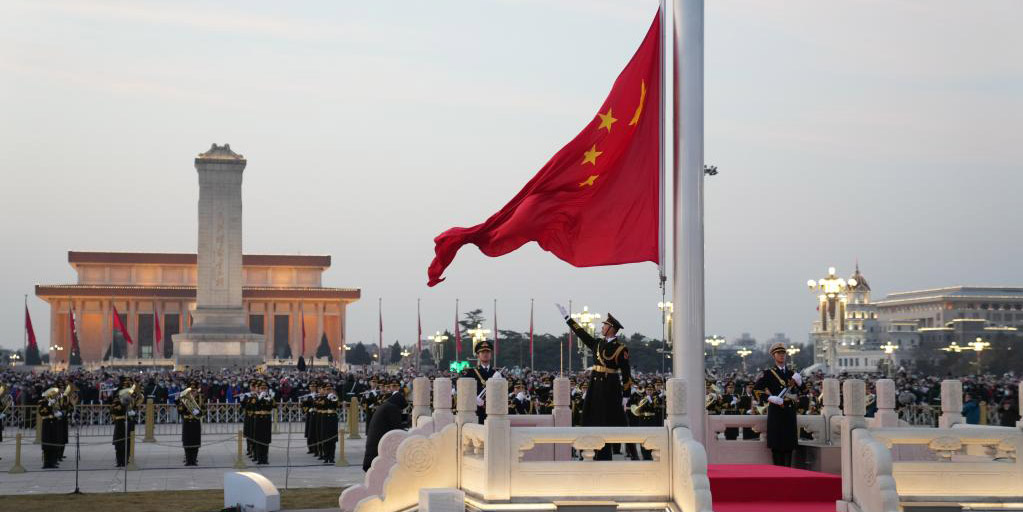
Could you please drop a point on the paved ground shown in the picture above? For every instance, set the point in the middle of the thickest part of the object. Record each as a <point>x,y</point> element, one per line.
<point>160,466</point>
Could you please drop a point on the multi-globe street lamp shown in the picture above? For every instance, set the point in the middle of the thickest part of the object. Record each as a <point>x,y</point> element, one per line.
<point>586,320</point>
<point>438,340</point>
<point>978,346</point>
<point>666,308</point>
<point>743,353</point>
<point>889,350</point>
<point>478,334</point>
<point>831,304</point>
<point>714,342</point>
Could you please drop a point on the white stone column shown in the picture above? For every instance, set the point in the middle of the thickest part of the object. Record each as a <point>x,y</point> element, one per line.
<point>497,449</point>
<point>270,326</point>
<point>420,399</point>
<point>854,391</point>
<point>320,311</point>
<point>442,415</point>
<point>831,399</point>
<point>562,415</point>
<point>951,403</point>
<point>676,414</point>
<point>133,329</point>
<point>886,415</point>
<point>465,402</point>
<point>107,333</point>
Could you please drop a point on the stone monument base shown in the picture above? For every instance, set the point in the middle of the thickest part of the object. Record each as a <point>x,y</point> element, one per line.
<point>214,350</point>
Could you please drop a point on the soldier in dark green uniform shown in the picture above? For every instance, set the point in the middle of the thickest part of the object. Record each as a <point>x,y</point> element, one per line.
<point>312,422</point>
<point>609,377</point>
<point>247,405</point>
<point>782,385</point>
<point>50,413</point>
<point>481,373</point>
<point>122,413</point>
<point>261,423</point>
<point>191,421</point>
<point>327,412</point>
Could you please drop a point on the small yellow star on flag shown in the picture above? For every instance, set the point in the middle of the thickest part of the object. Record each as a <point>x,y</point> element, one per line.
<point>606,120</point>
<point>590,157</point>
<point>589,181</point>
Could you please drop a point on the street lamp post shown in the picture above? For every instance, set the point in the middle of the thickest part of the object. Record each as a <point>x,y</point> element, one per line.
<point>586,320</point>
<point>831,303</point>
<point>55,361</point>
<point>438,340</point>
<point>978,346</point>
<point>478,334</point>
<point>744,353</point>
<point>714,341</point>
<point>889,350</point>
<point>404,355</point>
<point>667,308</point>
<point>14,359</point>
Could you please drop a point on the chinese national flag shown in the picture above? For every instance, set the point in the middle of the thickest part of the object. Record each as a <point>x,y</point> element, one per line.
<point>120,327</point>
<point>31,333</point>
<point>157,331</point>
<point>596,201</point>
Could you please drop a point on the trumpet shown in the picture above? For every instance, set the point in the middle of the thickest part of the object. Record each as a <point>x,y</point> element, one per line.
<point>637,408</point>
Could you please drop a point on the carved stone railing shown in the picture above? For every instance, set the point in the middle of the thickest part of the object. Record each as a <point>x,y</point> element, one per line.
<point>755,451</point>
<point>690,486</point>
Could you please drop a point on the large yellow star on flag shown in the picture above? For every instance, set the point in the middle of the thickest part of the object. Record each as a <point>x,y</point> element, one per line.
<point>606,120</point>
<point>590,157</point>
<point>589,181</point>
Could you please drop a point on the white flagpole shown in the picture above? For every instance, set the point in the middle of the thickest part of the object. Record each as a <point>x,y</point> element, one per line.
<point>687,253</point>
<point>662,147</point>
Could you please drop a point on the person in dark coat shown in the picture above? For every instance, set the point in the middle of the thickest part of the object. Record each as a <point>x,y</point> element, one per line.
<point>386,418</point>
<point>1008,414</point>
<point>609,377</point>
<point>782,385</point>
<point>482,372</point>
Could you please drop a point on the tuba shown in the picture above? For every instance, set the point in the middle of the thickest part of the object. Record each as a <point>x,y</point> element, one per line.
<point>127,395</point>
<point>69,397</point>
<point>6,400</point>
<point>636,409</point>
<point>188,400</point>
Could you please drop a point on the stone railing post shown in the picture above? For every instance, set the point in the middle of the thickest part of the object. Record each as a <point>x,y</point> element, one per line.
<point>886,415</point>
<point>497,448</point>
<point>353,419</point>
<point>854,391</point>
<point>951,403</point>
<point>17,467</point>
<point>562,415</point>
<point>831,399</point>
<point>150,422</point>
<point>39,428</point>
<point>239,459</point>
<point>465,406</point>
<point>675,404</point>
<point>341,460</point>
<point>442,415</point>
<point>131,453</point>
<point>420,399</point>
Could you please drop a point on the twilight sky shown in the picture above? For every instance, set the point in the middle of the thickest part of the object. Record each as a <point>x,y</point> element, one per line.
<point>887,131</point>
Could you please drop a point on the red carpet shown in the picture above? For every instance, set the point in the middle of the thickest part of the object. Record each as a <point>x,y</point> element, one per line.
<point>761,488</point>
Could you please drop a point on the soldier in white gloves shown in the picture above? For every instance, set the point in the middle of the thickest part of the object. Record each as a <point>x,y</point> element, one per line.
<point>782,386</point>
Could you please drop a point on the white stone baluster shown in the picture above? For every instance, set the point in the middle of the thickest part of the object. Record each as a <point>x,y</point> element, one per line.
<point>886,415</point>
<point>497,456</point>
<point>854,392</point>
<point>831,399</point>
<point>675,404</point>
<point>951,403</point>
<point>442,415</point>
<point>562,415</point>
<point>420,398</point>
<point>465,402</point>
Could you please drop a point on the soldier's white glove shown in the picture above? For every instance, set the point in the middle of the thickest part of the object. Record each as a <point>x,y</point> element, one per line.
<point>562,310</point>
<point>625,402</point>
<point>797,378</point>
<point>735,400</point>
<point>195,412</point>
<point>58,414</point>
<point>479,402</point>
<point>131,413</point>
<point>776,400</point>
<point>520,396</point>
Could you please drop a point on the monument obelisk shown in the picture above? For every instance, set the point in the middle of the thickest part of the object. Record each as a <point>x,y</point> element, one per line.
<point>219,335</point>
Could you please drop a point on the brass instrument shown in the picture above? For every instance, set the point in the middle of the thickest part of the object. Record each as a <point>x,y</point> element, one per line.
<point>68,397</point>
<point>635,409</point>
<point>713,395</point>
<point>127,395</point>
<point>6,400</point>
<point>188,400</point>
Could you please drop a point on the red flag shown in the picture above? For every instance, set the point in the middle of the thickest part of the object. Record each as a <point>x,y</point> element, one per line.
<point>302,319</point>
<point>596,201</point>
<point>120,327</point>
<point>157,331</point>
<point>458,336</point>
<point>74,330</point>
<point>28,328</point>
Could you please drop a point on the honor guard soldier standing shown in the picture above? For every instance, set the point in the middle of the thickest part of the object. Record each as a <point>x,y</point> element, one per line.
<point>312,422</point>
<point>248,405</point>
<point>122,412</point>
<point>481,372</point>
<point>262,410</point>
<point>782,386</point>
<point>603,405</point>
<point>191,407</point>
<point>327,411</point>
<point>371,398</point>
<point>50,413</point>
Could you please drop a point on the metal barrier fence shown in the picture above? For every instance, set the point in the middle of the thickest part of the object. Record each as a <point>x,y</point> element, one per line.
<point>220,418</point>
